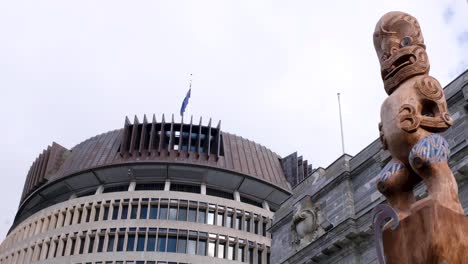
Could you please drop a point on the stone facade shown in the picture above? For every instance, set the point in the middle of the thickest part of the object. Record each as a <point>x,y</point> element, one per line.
<point>346,193</point>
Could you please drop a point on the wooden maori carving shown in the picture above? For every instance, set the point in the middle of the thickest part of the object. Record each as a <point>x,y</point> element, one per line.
<point>432,230</point>
<point>413,113</point>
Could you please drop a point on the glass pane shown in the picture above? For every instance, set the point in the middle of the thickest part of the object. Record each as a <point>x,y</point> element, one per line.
<point>130,242</point>
<point>256,227</point>
<point>162,243</point>
<point>91,244</point>
<point>211,217</point>
<point>192,215</point>
<point>171,244</point>
<point>229,221</point>
<point>182,214</point>
<point>220,219</point>
<point>100,244</point>
<point>96,216</point>
<point>110,244</point>
<point>221,250</point>
<point>106,213</point>
<point>151,245</point>
<point>120,243</point>
<point>251,256</point>
<point>141,242</point>
<point>264,228</point>
<point>202,247</point>
<point>124,212</point>
<point>211,249</point>
<point>153,211</point>
<point>240,254</point>
<point>259,257</point>
<point>247,225</point>
<point>173,213</point>
<point>182,245</point>
<point>239,222</point>
<point>231,252</point>
<point>163,213</point>
<point>133,213</point>
<point>201,216</point>
<point>115,212</point>
<point>192,245</point>
<point>144,211</point>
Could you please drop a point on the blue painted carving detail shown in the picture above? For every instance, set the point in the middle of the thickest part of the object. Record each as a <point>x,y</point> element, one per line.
<point>391,168</point>
<point>432,149</point>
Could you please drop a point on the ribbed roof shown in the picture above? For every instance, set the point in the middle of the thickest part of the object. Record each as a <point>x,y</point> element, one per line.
<point>161,142</point>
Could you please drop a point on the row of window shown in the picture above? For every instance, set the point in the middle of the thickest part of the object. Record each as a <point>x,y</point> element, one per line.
<point>146,208</point>
<point>145,240</point>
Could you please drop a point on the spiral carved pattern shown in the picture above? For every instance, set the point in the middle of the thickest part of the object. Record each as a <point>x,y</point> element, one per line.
<point>430,88</point>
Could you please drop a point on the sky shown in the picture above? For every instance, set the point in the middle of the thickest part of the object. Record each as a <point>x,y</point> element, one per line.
<point>269,70</point>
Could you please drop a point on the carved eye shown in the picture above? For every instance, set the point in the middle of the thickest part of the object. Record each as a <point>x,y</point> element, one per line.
<point>405,42</point>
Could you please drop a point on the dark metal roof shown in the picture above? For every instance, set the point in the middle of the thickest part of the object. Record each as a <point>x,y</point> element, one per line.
<point>159,142</point>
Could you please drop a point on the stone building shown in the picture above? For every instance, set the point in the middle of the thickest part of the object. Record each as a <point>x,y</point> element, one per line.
<point>328,217</point>
<point>167,193</point>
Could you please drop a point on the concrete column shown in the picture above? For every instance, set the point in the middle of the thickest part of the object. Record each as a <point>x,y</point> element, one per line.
<point>68,217</point>
<point>32,227</point>
<point>21,256</point>
<point>84,213</point>
<point>92,212</point>
<point>14,258</point>
<point>25,232</point>
<point>100,189</point>
<point>203,188</point>
<point>45,224</point>
<point>265,205</point>
<point>237,196</point>
<point>132,186</point>
<point>45,249</point>
<point>52,247</point>
<point>101,211</point>
<point>167,185</point>
<point>36,252</point>
<point>68,246</point>
<point>60,246</point>
<point>53,221</point>
<point>76,215</point>
<point>60,219</point>
<point>38,228</point>
<point>86,243</point>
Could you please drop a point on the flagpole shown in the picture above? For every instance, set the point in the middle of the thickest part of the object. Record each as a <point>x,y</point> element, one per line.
<point>341,124</point>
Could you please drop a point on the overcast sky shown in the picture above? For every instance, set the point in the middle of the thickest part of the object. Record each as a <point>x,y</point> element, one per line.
<point>270,70</point>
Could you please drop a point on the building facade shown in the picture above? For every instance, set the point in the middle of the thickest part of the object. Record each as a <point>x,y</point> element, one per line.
<point>152,192</point>
<point>328,218</point>
<point>168,193</point>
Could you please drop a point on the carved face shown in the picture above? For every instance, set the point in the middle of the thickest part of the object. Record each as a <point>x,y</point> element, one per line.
<point>400,48</point>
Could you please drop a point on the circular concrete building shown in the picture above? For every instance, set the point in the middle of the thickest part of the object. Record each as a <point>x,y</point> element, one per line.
<point>152,192</point>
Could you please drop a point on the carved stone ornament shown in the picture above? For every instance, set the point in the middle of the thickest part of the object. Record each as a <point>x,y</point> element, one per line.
<point>308,223</point>
<point>411,116</point>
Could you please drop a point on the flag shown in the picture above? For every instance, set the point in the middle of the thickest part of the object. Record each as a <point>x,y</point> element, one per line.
<point>185,102</point>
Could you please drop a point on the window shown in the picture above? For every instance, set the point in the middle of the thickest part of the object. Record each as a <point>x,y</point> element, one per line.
<point>106,213</point>
<point>110,244</point>
<point>182,245</point>
<point>240,254</point>
<point>120,243</point>
<point>151,245</point>
<point>150,187</point>
<point>239,222</point>
<point>144,211</point>
<point>251,256</point>
<point>202,247</point>
<point>220,219</point>
<point>91,244</point>
<point>192,246</point>
<point>162,243</point>
<point>141,242</point>
<point>211,249</point>
<point>247,224</point>
<point>100,244</point>
<point>163,212</point>
<point>153,211</point>
<point>211,216</point>
<point>182,214</point>
<point>185,188</point>
<point>230,255</point>
<point>201,216</point>
<point>133,212</point>
<point>124,211</point>
<point>218,193</point>
<point>96,216</point>
<point>221,250</point>
<point>131,242</point>
<point>115,212</point>
<point>171,244</point>
<point>173,213</point>
<point>256,226</point>
<point>229,221</point>
<point>259,257</point>
<point>264,228</point>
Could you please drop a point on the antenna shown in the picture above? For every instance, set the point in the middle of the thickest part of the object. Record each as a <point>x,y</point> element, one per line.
<point>341,123</point>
